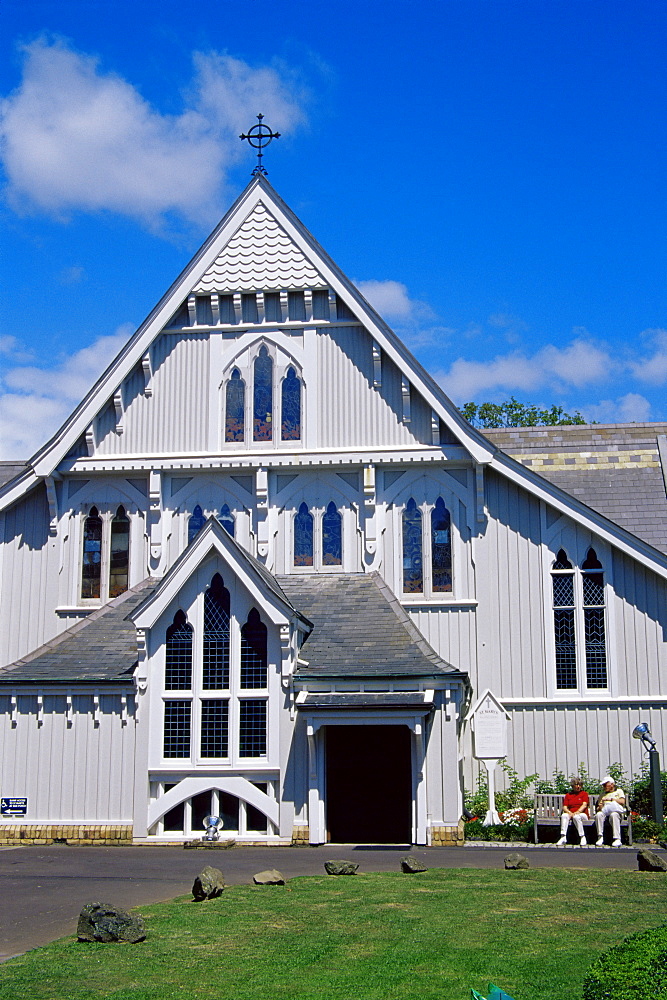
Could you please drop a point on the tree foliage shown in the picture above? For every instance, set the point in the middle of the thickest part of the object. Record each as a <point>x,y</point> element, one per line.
<point>512,413</point>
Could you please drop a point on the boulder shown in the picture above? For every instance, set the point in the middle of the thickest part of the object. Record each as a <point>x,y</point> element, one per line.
<point>514,861</point>
<point>649,861</point>
<point>209,883</point>
<point>411,865</point>
<point>106,923</point>
<point>269,877</point>
<point>340,868</point>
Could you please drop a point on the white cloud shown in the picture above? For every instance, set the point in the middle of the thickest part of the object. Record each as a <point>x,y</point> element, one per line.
<point>414,321</point>
<point>652,368</point>
<point>579,363</point>
<point>75,137</point>
<point>389,298</point>
<point>631,408</point>
<point>35,401</point>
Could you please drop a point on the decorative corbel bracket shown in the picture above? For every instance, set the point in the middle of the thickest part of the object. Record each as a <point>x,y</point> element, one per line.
<point>435,428</point>
<point>155,523</point>
<point>333,308</point>
<point>308,302</point>
<point>284,304</point>
<point>215,307</point>
<point>192,310</point>
<point>377,365</point>
<point>238,307</point>
<point>285,653</point>
<point>52,497</point>
<point>148,373</point>
<point>370,500</point>
<point>405,395</point>
<point>118,407</point>
<point>479,493</point>
<point>259,299</point>
<point>90,440</point>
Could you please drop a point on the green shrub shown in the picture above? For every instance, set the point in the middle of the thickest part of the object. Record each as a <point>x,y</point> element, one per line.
<point>640,790</point>
<point>474,830</point>
<point>646,829</point>
<point>636,969</point>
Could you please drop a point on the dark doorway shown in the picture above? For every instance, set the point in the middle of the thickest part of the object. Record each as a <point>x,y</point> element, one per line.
<point>369,784</point>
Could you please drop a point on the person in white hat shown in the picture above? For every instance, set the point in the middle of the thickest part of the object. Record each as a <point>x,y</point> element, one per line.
<point>611,803</point>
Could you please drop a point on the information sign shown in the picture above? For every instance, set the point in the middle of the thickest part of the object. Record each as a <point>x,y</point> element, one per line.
<point>13,806</point>
<point>490,725</point>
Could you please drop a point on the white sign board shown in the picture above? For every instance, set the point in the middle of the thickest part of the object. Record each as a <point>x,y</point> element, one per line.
<point>490,727</point>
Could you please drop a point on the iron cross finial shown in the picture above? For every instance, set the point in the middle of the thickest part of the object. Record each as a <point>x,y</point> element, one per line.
<point>259,136</point>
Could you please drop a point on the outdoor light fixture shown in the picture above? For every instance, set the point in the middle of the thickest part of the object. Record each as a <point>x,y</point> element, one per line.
<point>212,823</point>
<point>641,732</point>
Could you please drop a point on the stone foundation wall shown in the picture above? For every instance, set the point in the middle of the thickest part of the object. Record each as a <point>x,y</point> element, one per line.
<point>447,836</point>
<point>79,835</point>
<point>301,835</point>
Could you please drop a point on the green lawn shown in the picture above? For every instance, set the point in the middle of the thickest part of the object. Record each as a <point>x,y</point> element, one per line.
<point>379,937</point>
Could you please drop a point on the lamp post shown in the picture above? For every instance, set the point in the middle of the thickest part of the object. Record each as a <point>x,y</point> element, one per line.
<point>641,732</point>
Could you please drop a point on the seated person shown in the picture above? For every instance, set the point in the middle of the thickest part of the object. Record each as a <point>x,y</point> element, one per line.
<point>611,803</point>
<point>575,807</point>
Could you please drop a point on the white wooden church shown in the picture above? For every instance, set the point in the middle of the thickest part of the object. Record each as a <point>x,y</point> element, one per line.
<point>265,569</point>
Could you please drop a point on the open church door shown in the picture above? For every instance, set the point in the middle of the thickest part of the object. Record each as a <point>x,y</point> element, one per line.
<point>369,784</point>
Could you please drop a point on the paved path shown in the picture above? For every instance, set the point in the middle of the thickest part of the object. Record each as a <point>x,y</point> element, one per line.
<point>44,888</point>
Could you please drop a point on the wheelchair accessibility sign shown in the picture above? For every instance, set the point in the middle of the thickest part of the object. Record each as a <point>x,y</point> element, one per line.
<point>13,807</point>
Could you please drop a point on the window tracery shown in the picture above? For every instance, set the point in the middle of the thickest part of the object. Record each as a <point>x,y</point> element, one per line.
<point>427,548</point>
<point>105,554</point>
<point>274,399</point>
<point>578,599</point>
<point>318,538</point>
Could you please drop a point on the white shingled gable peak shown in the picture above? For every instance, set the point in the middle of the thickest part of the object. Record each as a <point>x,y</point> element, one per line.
<point>260,255</point>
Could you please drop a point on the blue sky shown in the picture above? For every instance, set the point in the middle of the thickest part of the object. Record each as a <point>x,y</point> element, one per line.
<point>492,174</point>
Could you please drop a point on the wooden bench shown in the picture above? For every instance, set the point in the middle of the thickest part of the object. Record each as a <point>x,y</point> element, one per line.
<point>548,809</point>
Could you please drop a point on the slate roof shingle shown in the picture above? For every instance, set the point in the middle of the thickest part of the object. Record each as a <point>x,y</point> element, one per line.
<point>360,629</point>
<point>616,469</point>
<point>99,649</point>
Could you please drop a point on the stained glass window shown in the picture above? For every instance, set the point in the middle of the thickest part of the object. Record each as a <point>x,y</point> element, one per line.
<point>413,576</point>
<point>226,519</point>
<point>303,537</point>
<point>253,652</point>
<point>263,397</point>
<point>235,408</point>
<point>441,548</point>
<point>332,537</point>
<point>592,579</point>
<point>178,655</point>
<point>196,522</point>
<point>91,569</point>
<point>216,636</point>
<point>291,406</point>
<point>120,553</point>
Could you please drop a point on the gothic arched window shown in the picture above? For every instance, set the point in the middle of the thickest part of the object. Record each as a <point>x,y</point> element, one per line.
<point>332,536</point>
<point>235,408</point>
<point>291,406</point>
<point>196,522</point>
<point>216,636</point>
<point>91,569</point>
<point>253,652</point>
<point>178,655</point>
<point>441,548</point>
<point>579,621</point>
<point>413,572</point>
<point>226,519</point>
<point>592,586</point>
<point>303,537</point>
<point>119,556</point>
<point>562,585</point>
<point>263,397</point>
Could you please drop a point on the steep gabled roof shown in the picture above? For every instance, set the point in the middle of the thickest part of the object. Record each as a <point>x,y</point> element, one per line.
<point>360,630</point>
<point>297,253</point>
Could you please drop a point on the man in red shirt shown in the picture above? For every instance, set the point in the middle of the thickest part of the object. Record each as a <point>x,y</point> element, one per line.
<point>575,807</point>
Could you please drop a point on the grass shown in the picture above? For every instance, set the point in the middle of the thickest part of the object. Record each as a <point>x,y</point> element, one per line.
<point>366,937</point>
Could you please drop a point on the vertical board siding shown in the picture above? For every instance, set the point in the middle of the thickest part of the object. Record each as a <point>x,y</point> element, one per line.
<point>81,773</point>
<point>174,418</point>
<point>640,619</point>
<point>30,578</point>
<point>510,593</point>
<point>351,412</point>
<point>451,632</point>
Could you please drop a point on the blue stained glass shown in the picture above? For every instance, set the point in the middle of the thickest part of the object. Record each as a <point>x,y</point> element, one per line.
<point>291,407</point>
<point>332,537</point>
<point>441,548</point>
<point>226,519</point>
<point>235,408</point>
<point>92,555</point>
<point>303,537</point>
<point>263,397</point>
<point>413,576</point>
<point>196,522</point>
